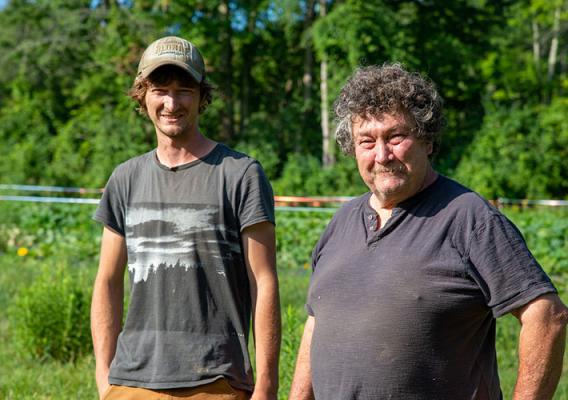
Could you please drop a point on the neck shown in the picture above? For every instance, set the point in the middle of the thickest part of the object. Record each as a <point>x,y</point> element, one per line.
<point>175,151</point>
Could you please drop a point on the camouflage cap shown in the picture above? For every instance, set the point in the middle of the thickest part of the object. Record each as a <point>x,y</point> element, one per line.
<point>172,50</point>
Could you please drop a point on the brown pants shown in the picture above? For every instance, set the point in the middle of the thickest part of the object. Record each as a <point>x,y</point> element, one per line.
<point>218,390</point>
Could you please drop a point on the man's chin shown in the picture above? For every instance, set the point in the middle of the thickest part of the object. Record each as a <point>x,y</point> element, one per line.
<point>387,189</point>
<point>172,133</point>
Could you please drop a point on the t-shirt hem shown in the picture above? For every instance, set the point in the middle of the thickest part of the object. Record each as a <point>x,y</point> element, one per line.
<point>523,299</point>
<point>106,222</point>
<point>176,385</point>
<point>258,221</point>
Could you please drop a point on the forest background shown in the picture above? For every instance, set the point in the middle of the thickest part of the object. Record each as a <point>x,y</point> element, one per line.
<point>500,65</point>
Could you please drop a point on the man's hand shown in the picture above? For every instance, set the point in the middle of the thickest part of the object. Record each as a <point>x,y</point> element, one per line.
<point>102,381</point>
<point>260,394</point>
<point>541,347</point>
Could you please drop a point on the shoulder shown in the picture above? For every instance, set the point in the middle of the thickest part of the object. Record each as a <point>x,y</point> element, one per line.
<point>231,156</point>
<point>460,201</point>
<point>129,167</point>
<point>466,215</point>
<point>236,164</point>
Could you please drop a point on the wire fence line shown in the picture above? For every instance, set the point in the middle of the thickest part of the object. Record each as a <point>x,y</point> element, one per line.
<point>283,203</point>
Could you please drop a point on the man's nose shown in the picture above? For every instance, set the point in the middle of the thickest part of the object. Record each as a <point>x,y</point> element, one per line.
<point>383,153</point>
<point>170,101</point>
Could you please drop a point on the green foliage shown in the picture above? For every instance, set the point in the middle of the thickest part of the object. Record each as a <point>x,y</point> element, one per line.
<point>65,118</point>
<point>297,233</point>
<point>303,175</point>
<point>48,230</point>
<point>518,67</point>
<point>546,233</point>
<point>50,318</point>
<point>519,153</point>
<point>265,154</point>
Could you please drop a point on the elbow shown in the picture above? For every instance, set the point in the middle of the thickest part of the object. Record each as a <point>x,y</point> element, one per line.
<point>557,318</point>
<point>560,317</point>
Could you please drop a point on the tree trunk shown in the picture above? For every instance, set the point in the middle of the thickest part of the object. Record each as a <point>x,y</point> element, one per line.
<point>247,57</point>
<point>307,79</point>
<point>536,47</point>
<point>227,117</point>
<point>553,53</point>
<point>308,114</point>
<point>327,150</point>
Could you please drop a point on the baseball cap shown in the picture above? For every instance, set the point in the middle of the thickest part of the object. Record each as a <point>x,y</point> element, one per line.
<point>172,50</point>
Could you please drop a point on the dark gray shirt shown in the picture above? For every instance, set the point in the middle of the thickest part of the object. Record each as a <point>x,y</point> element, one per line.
<point>190,306</point>
<point>408,311</point>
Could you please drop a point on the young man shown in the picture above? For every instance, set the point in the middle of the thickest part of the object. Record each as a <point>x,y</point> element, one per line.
<point>194,222</point>
<point>410,277</point>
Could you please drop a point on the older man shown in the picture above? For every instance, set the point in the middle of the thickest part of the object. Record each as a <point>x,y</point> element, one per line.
<point>409,278</point>
<point>194,222</point>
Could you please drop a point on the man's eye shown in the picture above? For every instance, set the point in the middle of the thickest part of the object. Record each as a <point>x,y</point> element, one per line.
<point>366,143</point>
<point>395,139</point>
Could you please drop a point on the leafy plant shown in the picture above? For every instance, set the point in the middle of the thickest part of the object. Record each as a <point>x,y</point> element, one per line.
<point>50,318</point>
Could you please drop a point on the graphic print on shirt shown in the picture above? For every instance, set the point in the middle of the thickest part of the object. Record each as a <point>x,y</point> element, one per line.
<point>186,236</point>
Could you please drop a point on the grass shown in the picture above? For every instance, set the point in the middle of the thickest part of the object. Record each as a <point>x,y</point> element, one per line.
<point>65,236</point>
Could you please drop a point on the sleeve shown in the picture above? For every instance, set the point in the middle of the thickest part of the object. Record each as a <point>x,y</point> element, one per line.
<point>315,257</point>
<point>506,271</point>
<point>256,199</point>
<point>112,207</point>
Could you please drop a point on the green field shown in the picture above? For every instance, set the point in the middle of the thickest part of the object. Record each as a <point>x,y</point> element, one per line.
<point>62,241</point>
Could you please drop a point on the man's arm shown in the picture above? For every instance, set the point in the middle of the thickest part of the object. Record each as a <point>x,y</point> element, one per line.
<point>260,256</point>
<point>302,383</point>
<point>541,347</point>
<point>107,304</point>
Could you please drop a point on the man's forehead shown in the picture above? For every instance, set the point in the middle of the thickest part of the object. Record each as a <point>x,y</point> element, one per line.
<point>395,118</point>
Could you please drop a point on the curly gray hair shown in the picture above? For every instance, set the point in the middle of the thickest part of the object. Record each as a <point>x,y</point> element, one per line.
<point>375,90</point>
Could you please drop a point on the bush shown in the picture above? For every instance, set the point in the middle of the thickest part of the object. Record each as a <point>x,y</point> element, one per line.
<point>50,318</point>
<point>303,175</point>
<point>296,235</point>
<point>519,152</point>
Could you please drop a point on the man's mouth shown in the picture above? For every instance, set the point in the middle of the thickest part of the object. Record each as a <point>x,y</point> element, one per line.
<point>170,117</point>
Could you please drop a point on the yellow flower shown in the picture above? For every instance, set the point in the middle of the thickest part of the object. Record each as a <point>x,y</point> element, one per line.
<point>22,251</point>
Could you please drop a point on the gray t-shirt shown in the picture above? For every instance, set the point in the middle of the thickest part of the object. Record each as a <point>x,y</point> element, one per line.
<point>190,306</point>
<point>408,311</point>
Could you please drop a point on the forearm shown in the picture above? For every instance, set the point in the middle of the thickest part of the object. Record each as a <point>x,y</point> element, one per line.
<point>541,347</point>
<point>106,317</point>
<point>302,383</point>
<point>540,362</point>
<point>267,333</point>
